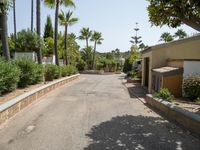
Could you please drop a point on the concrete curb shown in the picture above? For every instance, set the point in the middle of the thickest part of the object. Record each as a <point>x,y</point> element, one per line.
<point>13,106</point>
<point>184,118</point>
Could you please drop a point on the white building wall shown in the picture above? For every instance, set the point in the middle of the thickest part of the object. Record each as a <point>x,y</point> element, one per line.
<point>191,67</point>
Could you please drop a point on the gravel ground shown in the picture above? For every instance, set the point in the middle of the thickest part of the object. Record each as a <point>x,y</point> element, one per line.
<point>95,112</point>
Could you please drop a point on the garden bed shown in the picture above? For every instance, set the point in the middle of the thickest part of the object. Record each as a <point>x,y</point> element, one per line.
<point>193,107</point>
<point>185,118</point>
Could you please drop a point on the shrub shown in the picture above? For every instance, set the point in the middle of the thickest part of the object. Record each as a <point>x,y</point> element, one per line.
<point>63,71</point>
<point>52,72</point>
<point>31,72</point>
<point>71,70</point>
<point>39,73</point>
<point>81,65</point>
<point>164,94</point>
<point>9,76</point>
<point>132,74</point>
<point>191,87</point>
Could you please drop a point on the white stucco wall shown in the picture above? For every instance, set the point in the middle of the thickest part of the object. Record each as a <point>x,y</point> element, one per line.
<point>191,67</point>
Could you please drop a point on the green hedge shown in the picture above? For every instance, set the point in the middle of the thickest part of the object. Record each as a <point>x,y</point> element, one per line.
<point>71,70</point>
<point>31,72</point>
<point>52,72</point>
<point>24,71</point>
<point>9,76</point>
<point>55,72</point>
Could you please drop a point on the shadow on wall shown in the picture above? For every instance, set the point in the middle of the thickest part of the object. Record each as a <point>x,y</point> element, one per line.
<point>138,132</point>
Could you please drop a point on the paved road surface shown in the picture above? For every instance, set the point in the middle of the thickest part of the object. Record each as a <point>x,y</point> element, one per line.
<point>92,113</point>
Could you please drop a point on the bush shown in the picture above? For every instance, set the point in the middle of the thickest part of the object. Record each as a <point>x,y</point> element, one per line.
<point>191,87</point>
<point>71,70</point>
<point>39,73</point>
<point>164,94</point>
<point>52,72</point>
<point>132,74</point>
<point>31,72</point>
<point>81,65</point>
<point>9,76</point>
<point>63,71</point>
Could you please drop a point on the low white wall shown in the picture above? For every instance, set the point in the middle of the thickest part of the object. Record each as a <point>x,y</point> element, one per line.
<point>191,67</point>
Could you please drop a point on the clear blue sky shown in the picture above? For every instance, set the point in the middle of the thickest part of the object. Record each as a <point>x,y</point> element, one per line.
<point>114,18</point>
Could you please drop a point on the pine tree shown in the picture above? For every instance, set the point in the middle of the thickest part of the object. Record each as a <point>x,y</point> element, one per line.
<point>48,29</point>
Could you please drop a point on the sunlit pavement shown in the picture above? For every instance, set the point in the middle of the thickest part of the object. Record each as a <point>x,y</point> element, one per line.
<point>95,112</point>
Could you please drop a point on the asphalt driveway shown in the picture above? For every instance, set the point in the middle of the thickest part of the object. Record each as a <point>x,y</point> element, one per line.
<point>95,112</point>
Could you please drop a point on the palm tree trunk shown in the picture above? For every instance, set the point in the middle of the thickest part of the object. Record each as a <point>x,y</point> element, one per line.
<point>66,32</point>
<point>14,20</point>
<point>39,53</point>
<point>94,54</point>
<point>56,32</point>
<point>32,5</point>
<point>87,43</point>
<point>4,35</point>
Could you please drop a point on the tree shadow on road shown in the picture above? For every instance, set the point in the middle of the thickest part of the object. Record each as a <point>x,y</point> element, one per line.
<point>138,132</point>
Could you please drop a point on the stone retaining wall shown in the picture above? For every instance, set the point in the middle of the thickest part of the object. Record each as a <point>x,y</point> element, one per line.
<point>184,118</point>
<point>13,106</point>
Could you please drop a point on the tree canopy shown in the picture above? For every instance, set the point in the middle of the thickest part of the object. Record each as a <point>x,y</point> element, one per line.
<point>175,12</point>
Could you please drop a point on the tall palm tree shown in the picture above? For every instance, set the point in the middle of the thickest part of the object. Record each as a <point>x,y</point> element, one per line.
<point>66,20</point>
<point>56,4</point>
<point>4,28</point>
<point>38,29</point>
<point>32,9</point>
<point>97,38</point>
<point>86,33</point>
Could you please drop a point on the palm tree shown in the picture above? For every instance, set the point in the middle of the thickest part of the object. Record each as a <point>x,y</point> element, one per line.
<point>56,4</point>
<point>180,34</point>
<point>32,5</point>
<point>97,38</point>
<point>86,33</point>
<point>166,37</point>
<point>3,28</point>
<point>38,30</point>
<point>66,20</point>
